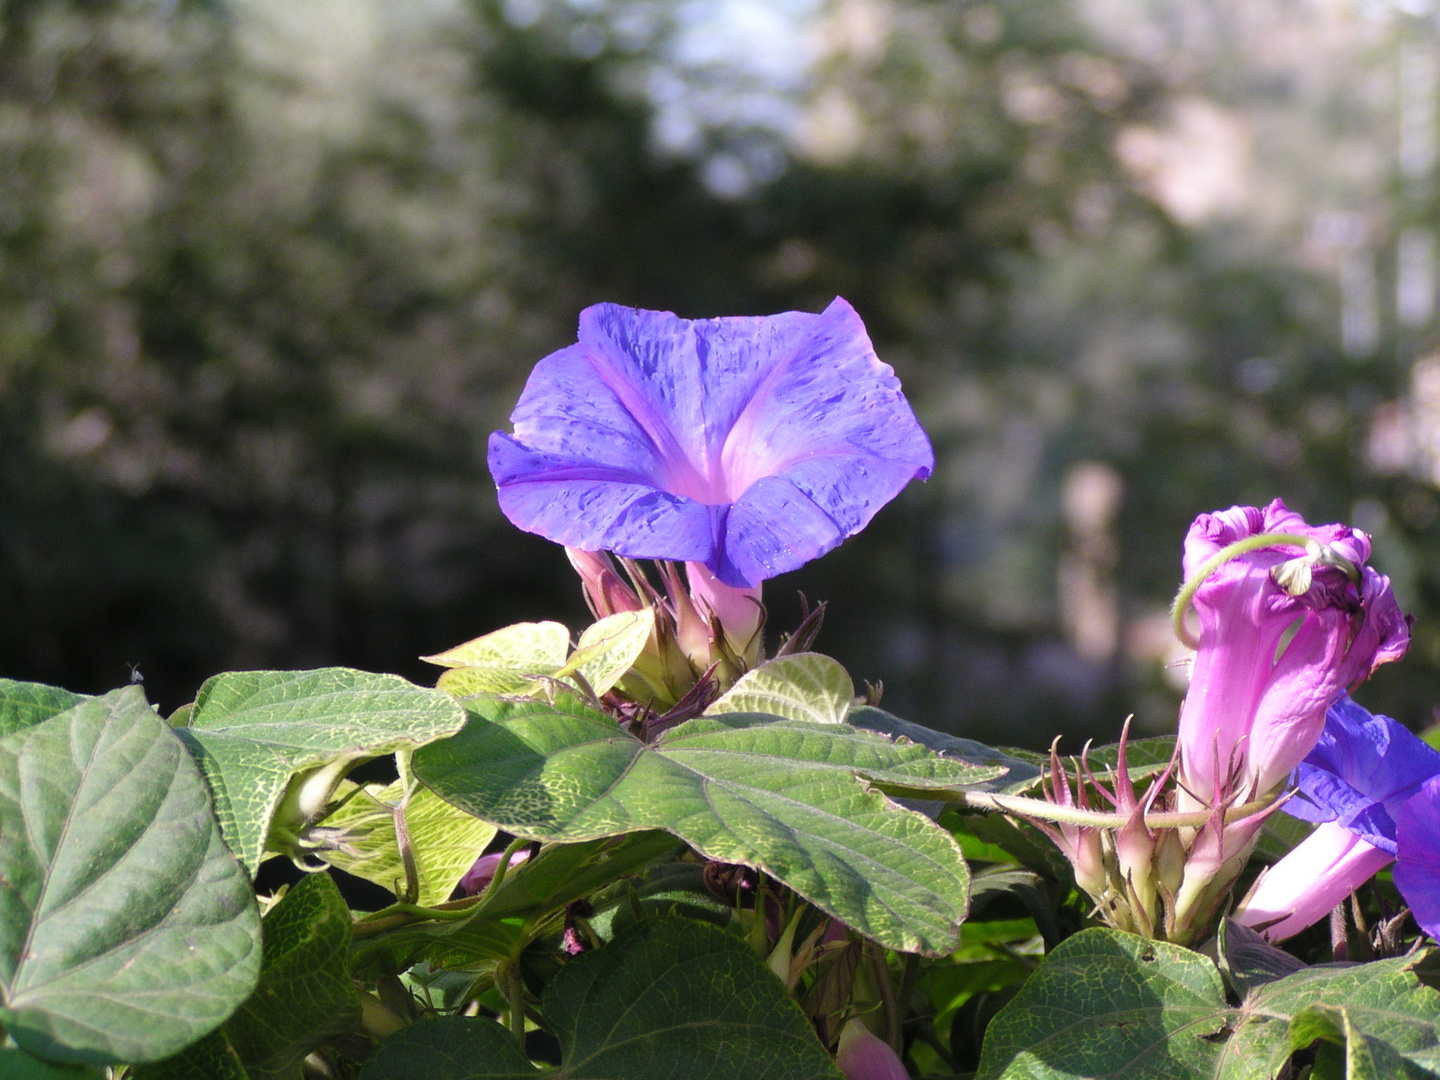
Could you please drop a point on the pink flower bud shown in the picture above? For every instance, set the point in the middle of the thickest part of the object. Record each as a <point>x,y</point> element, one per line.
<point>479,876</point>
<point>863,1056</point>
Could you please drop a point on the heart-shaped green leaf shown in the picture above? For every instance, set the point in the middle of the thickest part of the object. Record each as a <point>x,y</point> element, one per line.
<point>790,798</point>
<point>608,648</point>
<point>527,659</point>
<point>668,998</point>
<point>251,731</point>
<point>802,686</point>
<point>127,930</point>
<point>1107,1004</point>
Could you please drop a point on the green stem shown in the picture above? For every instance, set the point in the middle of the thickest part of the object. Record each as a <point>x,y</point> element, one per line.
<point>889,1007</point>
<point>514,846</point>
<point>1039,809</point>
<point>1181,607</point>
<point>515,994</point>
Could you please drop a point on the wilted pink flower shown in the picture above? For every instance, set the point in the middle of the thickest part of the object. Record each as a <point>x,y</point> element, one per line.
<point>1308,883</point>
<point>1257,704</point>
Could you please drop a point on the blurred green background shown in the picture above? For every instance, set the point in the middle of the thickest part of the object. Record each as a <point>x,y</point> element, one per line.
<point>271,272</point>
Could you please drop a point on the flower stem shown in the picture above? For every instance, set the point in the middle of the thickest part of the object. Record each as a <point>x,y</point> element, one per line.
<point>1022,806</point>
<point>1187,592</point>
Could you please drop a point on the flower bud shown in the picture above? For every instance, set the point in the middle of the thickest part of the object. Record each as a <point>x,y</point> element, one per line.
<point>863,1056</point>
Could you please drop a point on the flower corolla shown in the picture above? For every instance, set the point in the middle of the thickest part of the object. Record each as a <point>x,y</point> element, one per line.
<point>747,445</point>
<point>1373,788</point>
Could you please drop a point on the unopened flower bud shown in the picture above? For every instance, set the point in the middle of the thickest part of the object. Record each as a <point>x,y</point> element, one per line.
<point>863,1056</point>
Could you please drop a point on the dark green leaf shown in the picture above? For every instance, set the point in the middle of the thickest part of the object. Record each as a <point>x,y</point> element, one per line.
<point>1107,1004</point>
<point>127,930</point>
<point>778,795</point>
<point>1015,771</point>
<point>212,1058</point>
<point>668,998</point>
<point>305,995</point>
<point>1249,961</point>
<point>449,1048</point>
<point>252,731</point>
<point>518,911</point>
<point>18,1065</point>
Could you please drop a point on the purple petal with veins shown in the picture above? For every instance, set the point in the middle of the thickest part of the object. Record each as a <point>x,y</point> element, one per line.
<point>751,445</point>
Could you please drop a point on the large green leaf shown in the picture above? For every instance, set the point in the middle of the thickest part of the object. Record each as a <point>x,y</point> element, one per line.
<point>25,704</point>
<point>252,731</point>
<point>668,998</point>
<point>802,686</point>
<point>127,930</point>
<point>1107,1004</point>
<point>444,842</point>
<point>789,798</point>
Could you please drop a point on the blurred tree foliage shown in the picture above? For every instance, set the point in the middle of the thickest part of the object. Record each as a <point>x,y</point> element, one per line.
<point>268,279</point>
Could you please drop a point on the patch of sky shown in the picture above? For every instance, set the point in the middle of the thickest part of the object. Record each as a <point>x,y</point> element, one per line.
<point>727,80</point>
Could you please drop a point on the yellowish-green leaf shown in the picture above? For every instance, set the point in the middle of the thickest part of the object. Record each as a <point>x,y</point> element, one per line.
<point>467,681</point>
<point>804,686</point>
<point>526,647</point>
<point>444,841</point>
<point>609,648</point>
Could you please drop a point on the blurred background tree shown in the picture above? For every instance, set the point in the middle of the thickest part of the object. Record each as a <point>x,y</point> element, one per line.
<point>271,273</point>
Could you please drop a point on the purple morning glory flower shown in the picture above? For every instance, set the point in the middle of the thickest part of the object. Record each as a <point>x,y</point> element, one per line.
<point>750,445</point>
<point>1374,788</point>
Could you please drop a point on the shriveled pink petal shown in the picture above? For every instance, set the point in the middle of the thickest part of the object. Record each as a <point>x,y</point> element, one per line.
<point>1308,883</point>
<point>1254,710</point>
<point>863,1056</point>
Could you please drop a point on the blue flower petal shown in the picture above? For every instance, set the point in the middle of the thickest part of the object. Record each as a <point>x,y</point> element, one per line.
<point>588,507</point>
<point>1360,770</point>
<point>748,444</point>
<point>1417,867</point>
<point>1377,756</point>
